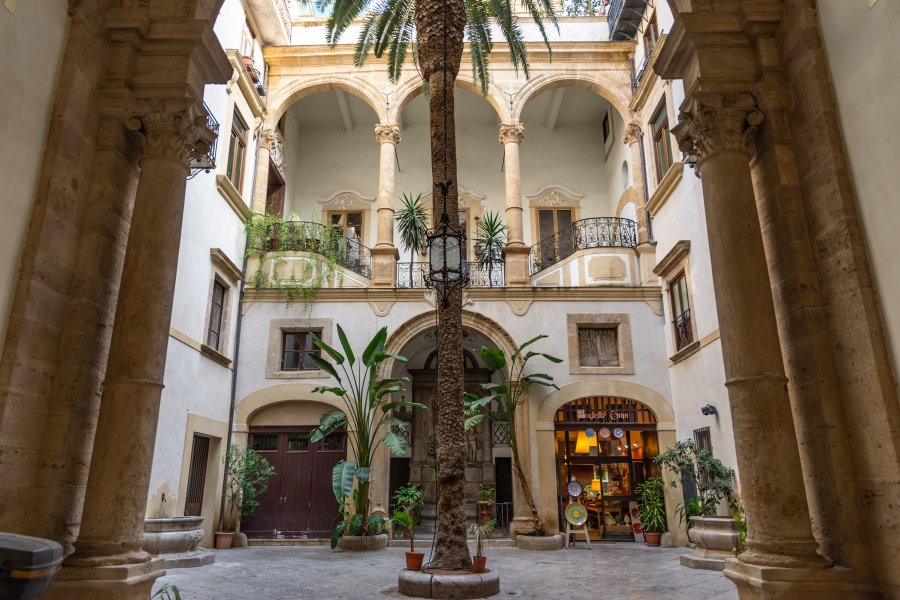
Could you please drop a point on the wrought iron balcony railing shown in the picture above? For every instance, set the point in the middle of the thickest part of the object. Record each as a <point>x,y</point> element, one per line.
<point>330,242</point>
<point>596,232</point>
<point>412,274</point>
<point>684,335</point>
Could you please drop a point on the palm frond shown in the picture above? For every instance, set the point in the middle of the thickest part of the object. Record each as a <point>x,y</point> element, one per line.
<point>478,31</point>
<point>540,9</point>
<point>502,12</point>
<point>343,12</point>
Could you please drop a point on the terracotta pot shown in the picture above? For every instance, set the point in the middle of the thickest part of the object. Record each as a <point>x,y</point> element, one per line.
<point>414,560</point>
<point>224,540</point>
<point>478,564</point>
<point>652,538</point>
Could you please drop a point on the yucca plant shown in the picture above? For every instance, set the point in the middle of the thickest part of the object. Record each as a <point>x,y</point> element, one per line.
<point>490,238</point>
<point>412,223</point>
<point>439,29</point>
<point>364,415</point>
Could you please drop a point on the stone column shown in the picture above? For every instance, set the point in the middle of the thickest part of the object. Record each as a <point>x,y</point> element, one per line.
<point>385,254</point>
<point>632,139</point>
<point>768,460</point>
<point>108,560</point>
<point>517,272</point>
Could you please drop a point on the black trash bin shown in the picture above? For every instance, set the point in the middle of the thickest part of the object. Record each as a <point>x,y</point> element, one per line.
<point>27,565</point>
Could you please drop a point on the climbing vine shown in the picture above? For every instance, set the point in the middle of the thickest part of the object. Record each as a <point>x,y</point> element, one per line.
<point>270,238</point>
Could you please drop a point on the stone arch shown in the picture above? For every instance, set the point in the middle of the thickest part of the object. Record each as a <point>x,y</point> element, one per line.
<point>665,415</point>
<point>611,91</point>
<point>301,88</point>
<point>406,92</point>
<point>277,394</point>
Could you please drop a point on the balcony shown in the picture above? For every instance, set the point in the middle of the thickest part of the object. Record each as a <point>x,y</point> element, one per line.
<point>624,18</point>
<point>330,242</point>
<point>273,18</point>
<point>412,274</point>
<point>596,232</point>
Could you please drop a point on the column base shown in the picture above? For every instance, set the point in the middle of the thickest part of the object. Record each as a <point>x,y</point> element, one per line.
<point>647,261</point>
<point>122,582</point>
<point>756,582</point>
<point>384,266</point>
<point>518,273</point>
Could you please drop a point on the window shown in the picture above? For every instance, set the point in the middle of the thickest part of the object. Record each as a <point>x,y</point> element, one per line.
<point>237,147</point>
<point>681,311</point>
<point>296,347</point>
<point>248,40</point>
<point>216,313</point>
<point>555,226</point>
<point>349,223</point>
<point>598,346</point>
<point>702,439</point>
<point>662,142</point>
<point>265,442</point>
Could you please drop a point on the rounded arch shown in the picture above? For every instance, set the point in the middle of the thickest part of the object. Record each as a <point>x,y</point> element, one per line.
<point>610,91</point>
<point>411,88</point>
<point>301,88</point>
<point>665,415</point>
<point>404,334</point>
<point>278,394</point>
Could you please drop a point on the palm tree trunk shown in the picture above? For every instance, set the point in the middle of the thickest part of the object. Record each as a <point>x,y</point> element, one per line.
<point>439,29</point>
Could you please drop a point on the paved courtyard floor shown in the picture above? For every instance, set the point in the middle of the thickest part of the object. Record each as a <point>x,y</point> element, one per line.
<point>608,572</point>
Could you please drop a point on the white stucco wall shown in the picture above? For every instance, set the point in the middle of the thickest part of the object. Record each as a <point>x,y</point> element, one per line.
<point>700,378</point>
<point>863,45</point>
<point>32,40</point>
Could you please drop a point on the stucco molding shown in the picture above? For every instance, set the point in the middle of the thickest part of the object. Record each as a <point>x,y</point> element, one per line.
<point>553,196</point>
<point>346,200</point>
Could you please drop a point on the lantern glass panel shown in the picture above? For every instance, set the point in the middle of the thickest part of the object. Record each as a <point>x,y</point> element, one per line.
<point>445,254</point>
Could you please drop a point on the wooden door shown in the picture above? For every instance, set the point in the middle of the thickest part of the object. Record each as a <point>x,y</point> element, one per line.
<point>264,523</point>
<point>323,506</point>
<point>294,499</point>
<point>193,500</point>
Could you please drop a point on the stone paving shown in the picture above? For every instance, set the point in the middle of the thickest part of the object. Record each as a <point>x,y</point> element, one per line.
<point>608,572</point>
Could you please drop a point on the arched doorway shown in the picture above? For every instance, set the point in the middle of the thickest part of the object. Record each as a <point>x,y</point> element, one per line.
<point>607,443</point>
<point>299,502</point>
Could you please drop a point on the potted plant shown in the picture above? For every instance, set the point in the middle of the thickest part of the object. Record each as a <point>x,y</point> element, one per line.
<point>363,417</point>
<point>409,498</point>
<point>481,532</point>
<point>490,238</point>
<point>412,223</point>
<point>509,397</point>
<point>404,520</point>
<point>485,501</point>
<point>652,507</point>
<point>247,476</point>
<point>714,537</point>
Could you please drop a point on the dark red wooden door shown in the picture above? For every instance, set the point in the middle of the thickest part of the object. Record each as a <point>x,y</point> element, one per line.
<point>299,502</point>
<point>193,500</point>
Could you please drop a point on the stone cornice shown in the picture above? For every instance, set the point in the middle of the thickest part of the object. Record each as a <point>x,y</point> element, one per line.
<point>246,86</point>
<point>221,260</point>
<point>677,254</point>
<point>505,294</point>
<point>233,197</point>
<point>666,186</point>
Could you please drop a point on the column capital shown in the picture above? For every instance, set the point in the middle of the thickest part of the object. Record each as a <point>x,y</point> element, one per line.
<point>512,132</point>
<point>632,133</point>
<point>268,139</point>
<point>387,133</point>
<point>723,125</point>
<point>173,135</point>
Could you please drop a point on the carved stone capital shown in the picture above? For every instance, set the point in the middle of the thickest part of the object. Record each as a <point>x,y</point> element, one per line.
<point>166,134</point>
<point>707,130</point>
<point>512,132</point>
<point>387,133</point>
<point>632,134</point>
<point>269,139</point>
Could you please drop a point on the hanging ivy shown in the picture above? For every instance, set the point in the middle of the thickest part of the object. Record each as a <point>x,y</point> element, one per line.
<point>270,238</point>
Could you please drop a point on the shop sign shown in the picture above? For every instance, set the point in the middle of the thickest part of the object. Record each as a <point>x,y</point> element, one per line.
<point>605,416</point>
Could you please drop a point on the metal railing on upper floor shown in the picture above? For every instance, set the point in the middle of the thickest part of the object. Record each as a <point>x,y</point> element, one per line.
<point>624,18</point>
<point>412,274</point>
<point>594,232</point>
<point>330,242</point>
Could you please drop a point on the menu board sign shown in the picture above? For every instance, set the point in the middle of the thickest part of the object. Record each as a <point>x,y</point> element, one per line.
<point>636,521</point>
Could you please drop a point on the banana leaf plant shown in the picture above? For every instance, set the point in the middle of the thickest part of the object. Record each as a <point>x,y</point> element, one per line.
<point>363,418</point>
<point>504,399</point>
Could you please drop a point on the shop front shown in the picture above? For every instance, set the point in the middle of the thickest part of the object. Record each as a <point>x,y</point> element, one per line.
<point>607,444</point>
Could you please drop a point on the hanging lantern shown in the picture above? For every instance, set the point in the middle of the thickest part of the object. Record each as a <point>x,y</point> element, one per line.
<point>446,270</point>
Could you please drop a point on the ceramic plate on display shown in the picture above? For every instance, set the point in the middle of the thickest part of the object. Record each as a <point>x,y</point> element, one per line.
<point>575,488</point>
<point>576,514</point>
<point>590,433</point>
<point>618,432</point>
<point>604,433</point>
